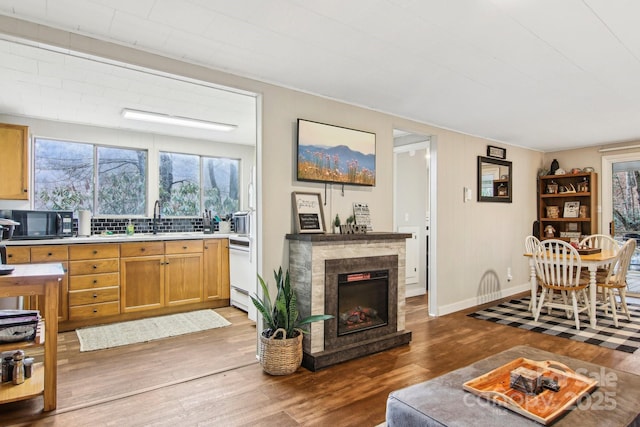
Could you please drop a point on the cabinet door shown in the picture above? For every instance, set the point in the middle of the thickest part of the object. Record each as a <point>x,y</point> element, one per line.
<point>183,278</point>
<point>13,143</point>
<point>142,283</point>
<point>216,269</point>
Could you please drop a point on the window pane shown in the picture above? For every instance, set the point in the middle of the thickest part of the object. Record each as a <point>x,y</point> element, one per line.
<point>63,175</point>
<point>220,177</point>
<point>122,184</point>
<point>180,184</point>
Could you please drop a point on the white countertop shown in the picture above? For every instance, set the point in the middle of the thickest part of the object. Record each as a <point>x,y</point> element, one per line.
<point>118,238</point>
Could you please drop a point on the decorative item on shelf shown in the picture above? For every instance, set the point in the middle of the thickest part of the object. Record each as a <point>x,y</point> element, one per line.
<point>588,169</point>
<point>567,189</point>
<point>502,190</point>
<point>549,231</point>
<point>571,226</point>
<point>560,171</point>
<point>553,212</point>
<point>307,212</point>
<point>571,209</point>
<point>280,346</point>
<point>352,228</point>
<point>583,212</point>
<point>362,216</point>
<point>583,186</point>
<point>575,171</point>
<point>543,172</point>
<point>336,224</point>
<point>554,167</point>
<point>552,188</point>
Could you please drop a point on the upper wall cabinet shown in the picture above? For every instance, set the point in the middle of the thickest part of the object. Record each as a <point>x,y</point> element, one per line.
<point>14,178</point>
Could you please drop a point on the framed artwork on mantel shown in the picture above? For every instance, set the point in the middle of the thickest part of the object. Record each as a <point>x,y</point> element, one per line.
<point>307,212</point>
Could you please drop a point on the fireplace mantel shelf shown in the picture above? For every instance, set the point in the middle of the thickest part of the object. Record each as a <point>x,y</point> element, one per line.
<point>318,237</point>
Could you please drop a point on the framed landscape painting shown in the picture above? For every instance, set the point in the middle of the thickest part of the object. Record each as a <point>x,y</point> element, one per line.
<point>336,155</point>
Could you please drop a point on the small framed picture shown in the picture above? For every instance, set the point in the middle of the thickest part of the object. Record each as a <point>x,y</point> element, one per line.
<point>571,209</point>
<point>307,212</point>
<point>497,152</point>
<point>572,226</point>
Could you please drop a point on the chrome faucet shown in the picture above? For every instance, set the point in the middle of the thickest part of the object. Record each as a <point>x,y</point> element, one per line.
<point>156,217</point>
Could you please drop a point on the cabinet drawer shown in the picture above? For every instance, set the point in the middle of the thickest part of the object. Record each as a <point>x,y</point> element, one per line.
<point>18,255</point>
<point>141,249</point>
<point>94,296</point>
<point>77,252</point>
<point>183,246</point>
<point>94,310</point>
<point>49,253</point>
<point>92,281</point>
<point>94,266</point>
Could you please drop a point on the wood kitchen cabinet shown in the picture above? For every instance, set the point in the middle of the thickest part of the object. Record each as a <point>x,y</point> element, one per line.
<point>141,276</point>
<point>14,184</point>
<point>43,254</point>
<point>216,269</point>
<point>183,271</point>
<point>116,281</point>
<point>94,285</point>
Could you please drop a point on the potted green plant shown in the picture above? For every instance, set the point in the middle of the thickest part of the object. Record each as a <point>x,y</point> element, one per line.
<point>336,224</point>
<point>281,339</point>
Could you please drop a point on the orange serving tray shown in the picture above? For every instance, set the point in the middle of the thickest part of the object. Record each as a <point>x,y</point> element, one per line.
<point>543,407</point>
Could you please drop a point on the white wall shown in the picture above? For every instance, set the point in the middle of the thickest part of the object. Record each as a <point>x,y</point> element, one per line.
<point>121,138</point>
<point>472,238</point>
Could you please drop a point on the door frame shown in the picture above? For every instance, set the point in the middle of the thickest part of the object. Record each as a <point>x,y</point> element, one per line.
<point>606,200</point>
<point>431,277</point>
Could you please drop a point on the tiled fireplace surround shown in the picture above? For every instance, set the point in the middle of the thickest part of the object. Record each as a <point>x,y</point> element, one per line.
<point>313,278</point>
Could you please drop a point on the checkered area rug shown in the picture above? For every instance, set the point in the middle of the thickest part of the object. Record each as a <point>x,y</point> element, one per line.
<point>515,313</point>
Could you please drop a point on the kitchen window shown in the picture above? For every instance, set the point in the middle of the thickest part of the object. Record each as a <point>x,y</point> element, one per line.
<point>191,183</point>
<point>103,180</point>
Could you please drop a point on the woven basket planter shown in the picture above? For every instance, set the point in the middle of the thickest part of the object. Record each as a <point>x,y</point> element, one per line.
<point>280,356</point>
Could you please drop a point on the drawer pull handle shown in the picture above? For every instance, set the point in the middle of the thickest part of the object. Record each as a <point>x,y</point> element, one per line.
<point>95,295</point>
<point>10,256</point>
<point>95,281</point>
<point>49,254</point>
<point>142,249</point>
<point>206,247</point>
<point>95,266</point>
<point>95,310</point>
<point>184,247</point>
<point>95,252</point>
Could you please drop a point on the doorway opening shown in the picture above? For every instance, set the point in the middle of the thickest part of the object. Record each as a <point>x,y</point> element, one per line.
<point>412,207</point>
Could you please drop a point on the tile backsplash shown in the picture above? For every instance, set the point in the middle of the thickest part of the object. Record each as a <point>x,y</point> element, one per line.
<point>144,225</point>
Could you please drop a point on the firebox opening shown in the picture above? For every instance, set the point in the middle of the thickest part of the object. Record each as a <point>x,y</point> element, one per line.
<point>362,301</point>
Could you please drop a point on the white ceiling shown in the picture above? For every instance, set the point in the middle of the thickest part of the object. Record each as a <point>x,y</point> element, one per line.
<point>544,74</point>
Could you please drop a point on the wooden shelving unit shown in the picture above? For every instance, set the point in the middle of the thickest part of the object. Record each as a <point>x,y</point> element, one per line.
<point>563,192</point>
<point>26,280</point>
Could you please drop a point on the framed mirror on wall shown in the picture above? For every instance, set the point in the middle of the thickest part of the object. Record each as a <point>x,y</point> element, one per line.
<point>494,180</point>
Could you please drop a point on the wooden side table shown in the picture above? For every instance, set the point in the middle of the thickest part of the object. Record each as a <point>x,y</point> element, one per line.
<point>27,280</point>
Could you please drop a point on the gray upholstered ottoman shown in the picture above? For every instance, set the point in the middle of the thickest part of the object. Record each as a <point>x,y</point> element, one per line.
<point>442,401</point>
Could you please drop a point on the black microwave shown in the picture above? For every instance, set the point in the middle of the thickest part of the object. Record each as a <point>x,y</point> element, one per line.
<point>40,224</point>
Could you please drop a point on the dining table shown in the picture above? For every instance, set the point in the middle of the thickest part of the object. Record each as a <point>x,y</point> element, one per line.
<point>589,260</point>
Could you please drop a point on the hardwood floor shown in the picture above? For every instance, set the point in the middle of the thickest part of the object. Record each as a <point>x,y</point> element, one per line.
<point>212,378</point>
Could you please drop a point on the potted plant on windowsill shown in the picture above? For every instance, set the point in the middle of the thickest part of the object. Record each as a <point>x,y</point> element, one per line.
<point>281,340</point>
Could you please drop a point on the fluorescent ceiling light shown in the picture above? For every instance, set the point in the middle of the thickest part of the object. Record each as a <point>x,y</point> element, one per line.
<point>175,120</point>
